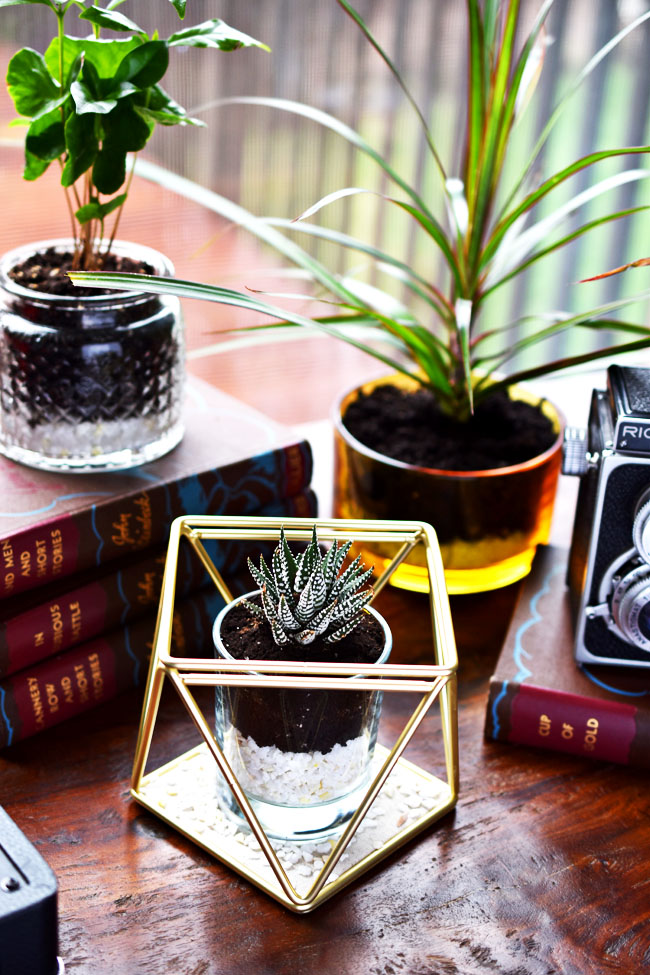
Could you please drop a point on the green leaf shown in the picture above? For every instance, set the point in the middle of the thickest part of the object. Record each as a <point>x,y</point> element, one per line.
<point>73,71</point>
<point>179,7</point>
<point>85,98</point>
<point>600,55</point>
<point>109,168</point>
<point>145,65</point>
<point>349,9</point>
<point>110,20</point>
<point>478,80</point>
<point>243,218</point>
<point>335,125</point>
<point>562,323</point>
<point>104,54</point>
<point>513,252</point>
<point>545,188</point>
<point>125,130</point>
<point>99,211</point>
<point>34,167</point>
<point>611,352</point>
<point>558,244</point>
<point>82,145</point>
<point>480,196</point>
<point>388,264</point>
<point>30,84</point>
<point>214,33</point>
<point>45,137</point>
<point>16,3</point>
<point>641,262</point>
<point>464,310</point>
<point>190,289</point>
<point>168,118</point>
<point>427,222</point>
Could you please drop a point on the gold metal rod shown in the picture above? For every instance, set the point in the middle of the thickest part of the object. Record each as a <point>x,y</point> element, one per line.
<point>209,565</point>
<point>372,793</point>
<point>224,767</point>
<point>261,534</point>
<point>213,665</point>
<point>336,527</point>
<point>449,719</point>
<point>307,683</point>
<point>403,553</point>
<point>155,682</point>
<point>155,677</point>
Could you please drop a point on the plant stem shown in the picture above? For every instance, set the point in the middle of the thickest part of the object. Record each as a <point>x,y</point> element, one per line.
<point>121,207</point>
<point>60,16</point>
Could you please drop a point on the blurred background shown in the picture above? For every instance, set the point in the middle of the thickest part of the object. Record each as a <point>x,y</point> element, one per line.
<point>277,164</point>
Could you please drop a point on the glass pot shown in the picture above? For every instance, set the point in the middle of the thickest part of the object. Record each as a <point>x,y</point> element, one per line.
<point>89,383</point>
<point>489,522</point>
<point>303,757</point>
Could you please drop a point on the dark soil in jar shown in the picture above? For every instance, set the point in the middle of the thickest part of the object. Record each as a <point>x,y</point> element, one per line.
<point>72,361</point>
<point>48,272</point>
<point>409,426</point>
<point>296,720</point>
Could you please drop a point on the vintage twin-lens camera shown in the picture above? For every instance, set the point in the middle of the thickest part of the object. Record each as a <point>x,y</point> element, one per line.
<point>609,562</point>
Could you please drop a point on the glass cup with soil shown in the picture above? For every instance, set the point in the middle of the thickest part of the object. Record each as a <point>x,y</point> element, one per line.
<point>89,380</point>
<point>303,757</point>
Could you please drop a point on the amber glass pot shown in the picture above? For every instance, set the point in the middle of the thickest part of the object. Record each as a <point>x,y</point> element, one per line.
<point>488,522</point>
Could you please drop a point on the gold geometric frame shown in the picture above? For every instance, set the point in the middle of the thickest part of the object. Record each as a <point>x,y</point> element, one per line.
<point>431,681</point>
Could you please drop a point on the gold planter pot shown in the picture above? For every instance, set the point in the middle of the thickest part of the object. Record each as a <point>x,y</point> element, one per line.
<point>489,522</point>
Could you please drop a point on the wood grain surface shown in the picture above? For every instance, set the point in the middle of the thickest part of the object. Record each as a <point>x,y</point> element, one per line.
<point>542,868</point>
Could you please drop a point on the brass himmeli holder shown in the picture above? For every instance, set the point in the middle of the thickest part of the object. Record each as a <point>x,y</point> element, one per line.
<point>431,681</point>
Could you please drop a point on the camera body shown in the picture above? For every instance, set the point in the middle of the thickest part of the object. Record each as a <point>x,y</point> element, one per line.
<point>28,907</point>
<point>609,561</point>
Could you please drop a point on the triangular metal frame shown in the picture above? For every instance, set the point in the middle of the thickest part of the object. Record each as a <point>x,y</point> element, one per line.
<point>434,681</point>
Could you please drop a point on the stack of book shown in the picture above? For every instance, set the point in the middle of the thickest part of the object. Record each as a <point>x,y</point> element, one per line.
<point>82,557</point>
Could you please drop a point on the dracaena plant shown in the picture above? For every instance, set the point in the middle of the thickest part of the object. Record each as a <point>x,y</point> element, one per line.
<point>89,101</point>
<point>488,233</point>
<point>309,596</point>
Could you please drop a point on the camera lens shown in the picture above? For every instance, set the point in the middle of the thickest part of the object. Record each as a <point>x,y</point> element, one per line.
<point>641,526</point>
<point>644,621</point>
<point>630,605</point>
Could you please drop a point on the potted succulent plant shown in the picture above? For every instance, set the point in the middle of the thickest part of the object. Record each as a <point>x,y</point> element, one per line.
<point>301,756</point>
<point>451,437</point>
<point>92,381</point>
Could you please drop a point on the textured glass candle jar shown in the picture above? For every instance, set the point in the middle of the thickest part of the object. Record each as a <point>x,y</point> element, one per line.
<point>312,785</point>
<point>89,383</point>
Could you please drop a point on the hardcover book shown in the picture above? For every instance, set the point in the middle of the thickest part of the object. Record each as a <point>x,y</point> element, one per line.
<point>539,696</point>
<point>232,460</point>
<point>46,621</point>
<point>98,670</point>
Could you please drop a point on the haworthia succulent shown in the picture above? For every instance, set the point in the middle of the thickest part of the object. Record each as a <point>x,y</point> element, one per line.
<point>308,596</point>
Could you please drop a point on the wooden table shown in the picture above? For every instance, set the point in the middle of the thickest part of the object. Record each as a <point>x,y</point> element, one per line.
<point>542,867</point>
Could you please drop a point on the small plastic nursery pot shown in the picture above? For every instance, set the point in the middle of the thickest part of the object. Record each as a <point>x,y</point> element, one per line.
<point>312,785</point>
<point>90,382</point>
<point>488,522</point>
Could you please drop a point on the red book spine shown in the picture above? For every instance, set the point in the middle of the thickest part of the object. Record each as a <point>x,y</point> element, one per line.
<point>93,535</point>
<point>525,714</point>
<point>63,686</point>
<point>119,595</point>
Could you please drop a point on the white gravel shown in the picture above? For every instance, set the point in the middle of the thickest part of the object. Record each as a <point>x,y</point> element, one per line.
<point>186,795</point>
<point>295,778</point>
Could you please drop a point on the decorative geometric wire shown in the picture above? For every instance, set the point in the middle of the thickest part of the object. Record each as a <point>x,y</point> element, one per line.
<point>432,681</point>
